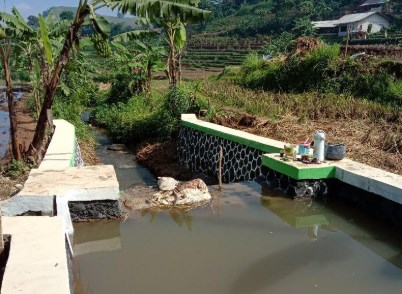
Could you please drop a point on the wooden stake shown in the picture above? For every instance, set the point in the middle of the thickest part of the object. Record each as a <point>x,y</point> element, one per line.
<point>220,167</point>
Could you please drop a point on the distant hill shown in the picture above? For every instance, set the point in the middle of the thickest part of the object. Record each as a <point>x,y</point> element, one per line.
<point>126,21</point>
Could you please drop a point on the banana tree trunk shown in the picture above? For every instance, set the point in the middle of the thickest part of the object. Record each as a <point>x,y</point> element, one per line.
<point>11,110</point>
<point>172,58</point>
<point>148,78</point>
<point>179,63</point>
<point>51,87</point>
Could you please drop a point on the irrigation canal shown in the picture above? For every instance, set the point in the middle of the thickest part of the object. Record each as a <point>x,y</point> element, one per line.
<point>248,241</point>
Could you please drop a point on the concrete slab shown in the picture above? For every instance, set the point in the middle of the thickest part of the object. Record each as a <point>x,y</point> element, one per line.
<point>254,141</point>
<point>58,182</point>
<point>35,203</point>
<point>298,170</point>
<point>38,260</point>
<point>45,187</point>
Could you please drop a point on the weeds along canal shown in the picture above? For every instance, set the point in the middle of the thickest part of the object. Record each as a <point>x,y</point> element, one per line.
<point>249,240</point>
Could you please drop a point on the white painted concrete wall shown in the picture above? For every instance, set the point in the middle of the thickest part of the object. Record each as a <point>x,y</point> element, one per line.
<point>61,150</point>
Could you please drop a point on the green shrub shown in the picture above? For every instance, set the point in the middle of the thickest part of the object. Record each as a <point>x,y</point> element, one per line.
<point>122,89</point>
<point>15,169</point>
<point>144,117</point>
<point>323,70</point>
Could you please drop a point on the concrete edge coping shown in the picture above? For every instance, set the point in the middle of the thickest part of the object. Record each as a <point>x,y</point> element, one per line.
<point>370,179</point>
<point>251,140</point>
<point>297,170</point>
<point>61,150</point>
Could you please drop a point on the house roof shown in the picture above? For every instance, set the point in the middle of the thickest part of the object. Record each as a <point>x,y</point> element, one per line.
<point>325,24</point>
<point>349,18</point>
<point>373,2</point>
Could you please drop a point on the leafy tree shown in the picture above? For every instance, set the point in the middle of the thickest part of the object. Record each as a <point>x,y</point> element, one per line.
<point>303,27</point>
<point>33,21</point>
<point>396,6</point>
<point>66,14</point>
<point>280,45</point>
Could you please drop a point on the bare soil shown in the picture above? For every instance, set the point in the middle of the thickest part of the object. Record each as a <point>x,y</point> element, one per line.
<point>161,160</point>
<point>26,129</point>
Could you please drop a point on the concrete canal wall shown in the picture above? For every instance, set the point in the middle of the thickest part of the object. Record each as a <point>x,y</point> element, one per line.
<point>251,157</point>
<point>39,218</point>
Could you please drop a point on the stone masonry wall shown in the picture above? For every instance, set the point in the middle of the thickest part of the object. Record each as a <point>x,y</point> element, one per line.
<point>199,152</point>
<point>91,210</point>
<point>78,160</point>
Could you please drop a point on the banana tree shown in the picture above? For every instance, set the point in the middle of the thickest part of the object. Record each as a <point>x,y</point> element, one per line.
<point>172,17</point>
<point>143,57</point>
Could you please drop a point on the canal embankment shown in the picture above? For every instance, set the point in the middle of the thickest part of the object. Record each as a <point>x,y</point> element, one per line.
<point>251,157</point>
<point>60,190</point>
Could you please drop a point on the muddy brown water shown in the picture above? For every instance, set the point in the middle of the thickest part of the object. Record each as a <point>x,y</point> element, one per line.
<point>248,241</point>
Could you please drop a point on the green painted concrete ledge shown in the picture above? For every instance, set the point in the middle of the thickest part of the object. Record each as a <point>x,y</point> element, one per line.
<point>238,139</point>
<point>298,170</point>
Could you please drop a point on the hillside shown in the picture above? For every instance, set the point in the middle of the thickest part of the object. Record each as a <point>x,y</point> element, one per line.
<point>125,22</point>
<point>272,17</point>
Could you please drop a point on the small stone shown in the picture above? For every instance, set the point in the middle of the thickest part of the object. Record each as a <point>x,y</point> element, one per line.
<point>80,206</point>
<point>19,186</point>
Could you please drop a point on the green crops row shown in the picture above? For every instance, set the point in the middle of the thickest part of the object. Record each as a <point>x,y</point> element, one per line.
<point>377,41</point>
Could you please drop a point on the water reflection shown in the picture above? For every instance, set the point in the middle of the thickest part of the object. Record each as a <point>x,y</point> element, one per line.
<point>333,217</point>
<point>245,244</point>
<point>98,236</point>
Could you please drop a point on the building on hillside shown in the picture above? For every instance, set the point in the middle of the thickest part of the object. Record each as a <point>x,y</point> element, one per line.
<point>374,5</point>
<point>357,22</point>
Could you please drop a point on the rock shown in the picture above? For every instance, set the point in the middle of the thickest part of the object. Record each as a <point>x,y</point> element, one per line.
<point>19,186</point>
<point>117,147</point>
<point>180,193</point>
<point>167,183</point>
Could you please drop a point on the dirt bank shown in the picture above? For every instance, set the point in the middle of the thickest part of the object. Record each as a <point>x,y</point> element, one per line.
<point>26,129</point>
<point>161,160</point>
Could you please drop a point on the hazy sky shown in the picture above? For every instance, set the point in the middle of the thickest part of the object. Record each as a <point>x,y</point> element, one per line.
<point>33,7</point>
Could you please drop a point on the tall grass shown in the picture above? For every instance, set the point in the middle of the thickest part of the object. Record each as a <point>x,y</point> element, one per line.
<point>308,105</point>
<point>323,70</point>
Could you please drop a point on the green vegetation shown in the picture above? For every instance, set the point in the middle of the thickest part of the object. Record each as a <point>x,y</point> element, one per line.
<point>15,169</point>
<point>324,70</point>
<point>144,117</point>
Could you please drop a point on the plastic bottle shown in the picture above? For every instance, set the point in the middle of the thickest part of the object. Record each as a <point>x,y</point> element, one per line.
<point>319,145</point>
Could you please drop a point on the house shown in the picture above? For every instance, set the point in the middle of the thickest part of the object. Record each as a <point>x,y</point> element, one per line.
<point>374,5</point>
<point>357,22</point>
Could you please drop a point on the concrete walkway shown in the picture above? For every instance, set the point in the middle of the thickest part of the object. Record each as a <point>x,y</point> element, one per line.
<point>37,263</point>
